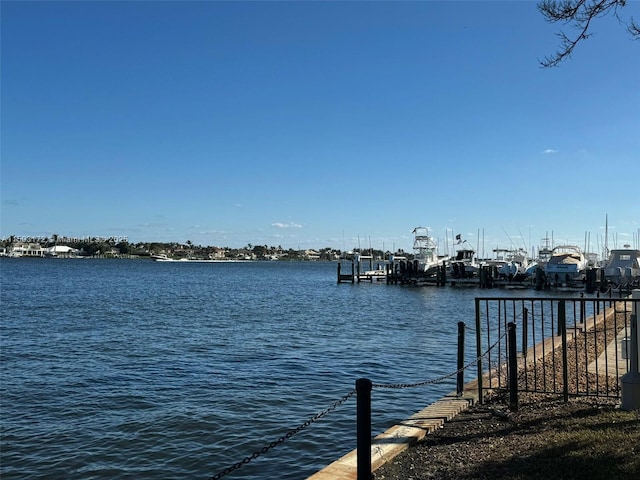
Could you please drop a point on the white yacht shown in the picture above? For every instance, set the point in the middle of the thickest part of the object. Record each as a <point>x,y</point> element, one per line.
<point>566,264</point>
<point>514,264</point>
<point>425,250</point>
<point>464,264</point>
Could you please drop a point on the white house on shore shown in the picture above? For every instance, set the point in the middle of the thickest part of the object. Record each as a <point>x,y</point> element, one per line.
<point>26,250</point>
<point>35,250</point>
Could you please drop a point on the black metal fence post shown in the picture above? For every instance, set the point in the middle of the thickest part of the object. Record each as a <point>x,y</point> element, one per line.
<point>525,331</point>
<point>479,350</point>
<point>562,330</point>
<point>562,315</point>
<point>513,366</point>
<point>460,379</point>
<point>363,421</point>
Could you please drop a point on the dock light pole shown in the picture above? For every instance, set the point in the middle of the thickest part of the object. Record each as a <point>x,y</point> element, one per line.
<point>631,380</point>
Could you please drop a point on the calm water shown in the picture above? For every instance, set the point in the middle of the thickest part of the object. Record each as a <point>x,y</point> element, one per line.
<point>137,369</point>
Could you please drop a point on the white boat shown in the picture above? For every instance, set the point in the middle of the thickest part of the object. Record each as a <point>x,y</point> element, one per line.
<point>623,266</point>
<point>425,250</point>
<point>377,274</point>
<point>58,251</point>
<point>161,257</point>
<point>514,264</point>
<point>464,264</point>
<point>567,264</point>
<point>544,254</point>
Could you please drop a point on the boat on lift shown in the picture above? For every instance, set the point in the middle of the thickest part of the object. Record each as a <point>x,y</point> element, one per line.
<point>623,266</point>
<point>514,264</point>
<point>567,264</point>
<point>425,251</point>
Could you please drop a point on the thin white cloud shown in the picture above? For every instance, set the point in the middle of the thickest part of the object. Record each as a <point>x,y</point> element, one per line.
<point>286,225</point>
<point>550,151</point>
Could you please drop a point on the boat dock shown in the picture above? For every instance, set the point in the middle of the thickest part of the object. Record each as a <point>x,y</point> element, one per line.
<point>561,268</point>
<point>400,271</point>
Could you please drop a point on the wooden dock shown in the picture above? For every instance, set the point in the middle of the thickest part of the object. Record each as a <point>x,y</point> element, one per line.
<point>364,268</point>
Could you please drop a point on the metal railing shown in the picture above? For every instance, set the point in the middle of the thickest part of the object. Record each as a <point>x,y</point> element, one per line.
<point>568,346</point>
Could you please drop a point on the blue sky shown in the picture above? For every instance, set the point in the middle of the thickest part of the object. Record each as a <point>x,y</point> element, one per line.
<point>316,124</point>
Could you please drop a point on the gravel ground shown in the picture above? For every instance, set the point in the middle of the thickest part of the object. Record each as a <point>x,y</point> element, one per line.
<point>491,442</point>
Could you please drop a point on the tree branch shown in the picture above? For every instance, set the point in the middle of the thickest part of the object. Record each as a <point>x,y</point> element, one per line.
<point>580,13</point>
<point>634,29</point>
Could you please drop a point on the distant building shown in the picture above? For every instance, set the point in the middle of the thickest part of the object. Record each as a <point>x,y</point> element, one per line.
<point>218,253</point>
<point>26,250</point>
<point>311,255</point>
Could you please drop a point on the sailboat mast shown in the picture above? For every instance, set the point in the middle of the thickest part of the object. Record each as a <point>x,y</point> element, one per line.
<point>606,236</point>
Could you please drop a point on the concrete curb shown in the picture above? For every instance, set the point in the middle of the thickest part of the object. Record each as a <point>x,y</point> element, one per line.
<point>398,438</point>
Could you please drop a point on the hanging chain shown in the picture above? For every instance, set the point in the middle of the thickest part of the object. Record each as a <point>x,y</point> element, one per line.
<point>285,437</point>
<point>444,377</point>
<point>336,404</point>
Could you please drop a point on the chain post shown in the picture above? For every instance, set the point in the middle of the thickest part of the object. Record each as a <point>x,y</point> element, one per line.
<point>363,415</point>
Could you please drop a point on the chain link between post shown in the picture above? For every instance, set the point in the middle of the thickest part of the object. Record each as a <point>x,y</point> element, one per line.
<point>335,405</point>
<point>285,437</point>
<point>444,377</point>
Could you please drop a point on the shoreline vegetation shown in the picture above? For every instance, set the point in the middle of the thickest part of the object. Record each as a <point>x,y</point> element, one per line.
<point>120,247</point>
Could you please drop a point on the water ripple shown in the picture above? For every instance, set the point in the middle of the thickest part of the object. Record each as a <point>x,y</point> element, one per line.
<point>135,369</point>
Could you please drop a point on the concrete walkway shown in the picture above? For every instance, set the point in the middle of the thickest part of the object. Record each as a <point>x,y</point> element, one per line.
<point>611,361</point>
